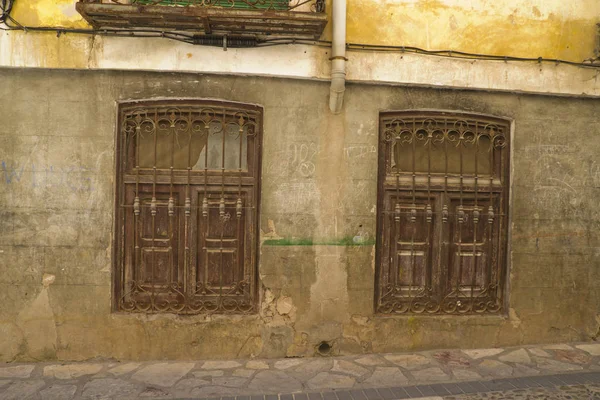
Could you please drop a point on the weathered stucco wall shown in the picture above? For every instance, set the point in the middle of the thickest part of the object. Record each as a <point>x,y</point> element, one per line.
<point>69,51</point>
<point>523,28</point>
<point>319,186</point>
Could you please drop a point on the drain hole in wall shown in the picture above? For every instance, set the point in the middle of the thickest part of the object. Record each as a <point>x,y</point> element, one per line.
<point>324,348</point>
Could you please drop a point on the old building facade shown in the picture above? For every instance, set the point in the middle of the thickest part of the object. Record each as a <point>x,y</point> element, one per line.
<point>219,180</point>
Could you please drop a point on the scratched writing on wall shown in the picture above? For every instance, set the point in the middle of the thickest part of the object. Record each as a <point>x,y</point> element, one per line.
<point>295,159</point>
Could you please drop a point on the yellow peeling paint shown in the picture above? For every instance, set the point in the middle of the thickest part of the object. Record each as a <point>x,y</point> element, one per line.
<point>523,28</point>
<point>45,50</point>
<point>533,28</point>
<point>59,13</point>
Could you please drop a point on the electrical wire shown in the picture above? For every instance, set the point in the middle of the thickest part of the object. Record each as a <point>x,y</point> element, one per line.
<point>6,6</point>
<point>439,53</point>
<point>5,17</point>
<point>178,36</point>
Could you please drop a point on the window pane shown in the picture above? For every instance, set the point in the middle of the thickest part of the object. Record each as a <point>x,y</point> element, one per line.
<point>165,148</point>
<point>215,157</point>
<point>441,158</point>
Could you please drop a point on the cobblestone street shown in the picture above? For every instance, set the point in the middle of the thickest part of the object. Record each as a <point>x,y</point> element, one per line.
<point>573,392</point>
<point>560,371</point>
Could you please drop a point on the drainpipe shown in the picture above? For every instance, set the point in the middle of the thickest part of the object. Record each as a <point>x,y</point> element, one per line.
<point>338,57</point>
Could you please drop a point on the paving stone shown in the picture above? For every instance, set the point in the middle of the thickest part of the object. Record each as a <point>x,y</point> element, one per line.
<point>430,375</point>
<point>518,356</point>
<point>348,367</point>
<point>200,374</point>
<point>150,392</point>
<point>20,390</point>
<point>257,365</point>
<point>594,367</point>
<point>556,366</point>
<point>465,374</point>
<point>495,368</point>
<point>190,383</point>
<point>431,398</point>
<point>476,354</point>
<point>221,365</point>
<point>213,391</point>
<point>185,387</point>
<point>523,370</point>
<point>560,346</point>
<point>70,371</point>
<point>327,380</point>
<point>370,360</point>
<point>20,371</point>
<point>229,381</point>
<point>276,381</point>
<point>109,388</point>
<point>386,376</point>
<point>245,373</point>
<point>288,363</point>
<point>58,392</point>
<point>255,377</point>
<point>452,359</point>
<point>408,361</point>
<point>593,349</point>
<point>163,374</point>
<point>124,369</point>
<point>572,356</point>
<point>312,367</point>
<point>538,352</point>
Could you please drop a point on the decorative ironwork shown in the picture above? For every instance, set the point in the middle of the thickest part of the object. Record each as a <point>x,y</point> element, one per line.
<point>436,251</point>
<point>227,23</point>
<point>185,168</point>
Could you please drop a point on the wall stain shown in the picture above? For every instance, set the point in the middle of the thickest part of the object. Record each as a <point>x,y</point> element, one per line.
<point>478,30</point>
<point>554,31</point>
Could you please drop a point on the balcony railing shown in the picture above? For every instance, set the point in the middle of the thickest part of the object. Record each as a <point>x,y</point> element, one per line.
<point>247,18</point>
<point>280,5</point>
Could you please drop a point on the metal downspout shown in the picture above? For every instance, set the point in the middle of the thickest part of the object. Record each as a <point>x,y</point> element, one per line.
<point>338,57</point>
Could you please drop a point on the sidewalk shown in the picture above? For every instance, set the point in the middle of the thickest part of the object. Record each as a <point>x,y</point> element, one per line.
<point>375,376</point>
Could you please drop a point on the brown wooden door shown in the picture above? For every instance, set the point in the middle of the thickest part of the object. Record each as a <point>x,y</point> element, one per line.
<point>442,214</point>
<point>188,207</point>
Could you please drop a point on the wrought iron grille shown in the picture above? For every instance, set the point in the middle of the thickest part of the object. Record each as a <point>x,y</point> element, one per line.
<point>279,5</point>
<point>187,207</point>
<point>442,213</point>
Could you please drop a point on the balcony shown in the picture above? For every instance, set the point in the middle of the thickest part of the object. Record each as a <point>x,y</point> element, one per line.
<point>298,19</point>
